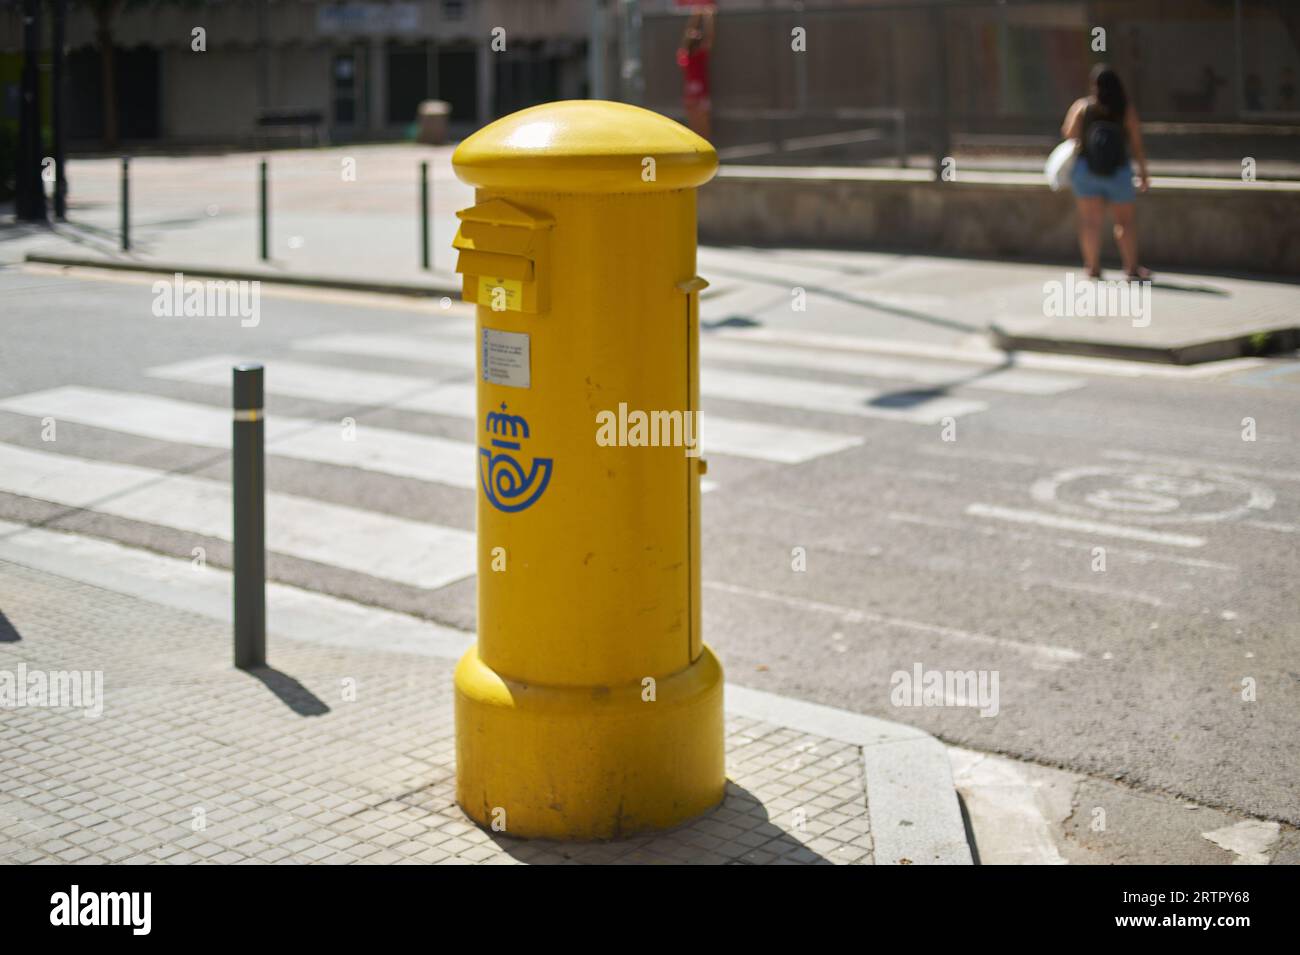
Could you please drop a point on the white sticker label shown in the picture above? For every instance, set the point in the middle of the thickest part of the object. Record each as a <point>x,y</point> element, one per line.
<point>505,358</point>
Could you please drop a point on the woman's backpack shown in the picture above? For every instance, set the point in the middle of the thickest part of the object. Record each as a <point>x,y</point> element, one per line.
<point>1103,147</point>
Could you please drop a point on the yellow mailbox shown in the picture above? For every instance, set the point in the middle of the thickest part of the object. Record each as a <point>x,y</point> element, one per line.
<point>590,707</point>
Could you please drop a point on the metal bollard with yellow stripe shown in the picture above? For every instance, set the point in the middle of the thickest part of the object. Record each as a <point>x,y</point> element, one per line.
<point>589,708</point>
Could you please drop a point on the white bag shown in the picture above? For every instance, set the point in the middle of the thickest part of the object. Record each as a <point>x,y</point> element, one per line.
<point>1060,164</point>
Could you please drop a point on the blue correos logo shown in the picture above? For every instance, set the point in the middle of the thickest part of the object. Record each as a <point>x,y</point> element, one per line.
<point>501,475</point>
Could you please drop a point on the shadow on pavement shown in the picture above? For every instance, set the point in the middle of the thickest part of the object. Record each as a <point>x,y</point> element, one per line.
<point>912,397</point>
<point>731,321</point>
<point>292,693</point>
<point>850,298</point>
<point>8,633</point>
<point>686,844</point>
<point>1184,287</point>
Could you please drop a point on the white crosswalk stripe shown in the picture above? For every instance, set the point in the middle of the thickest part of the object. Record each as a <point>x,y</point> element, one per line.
<point>1011,381</point>
<point>411,552</point>
<point>426,458</point>
<point>450,345</point>
<point>431,346</point>
<point>836,399</point>
<point>338,385</point>
<point>736,386</point>
<point>431,459</point>
<point>750,439</point>
<point>746,386</point>
<point>782,444</point>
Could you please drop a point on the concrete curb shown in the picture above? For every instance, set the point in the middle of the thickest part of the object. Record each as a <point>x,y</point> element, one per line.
<point>434,289</point>
<point>911,798</point>
<point>1186,353</point>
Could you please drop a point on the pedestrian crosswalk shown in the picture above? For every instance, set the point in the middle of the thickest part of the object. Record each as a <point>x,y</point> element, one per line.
<point>425,458</point>
<point>441,348</point>
<point>406,551</point>
<point>760,385</point>
<point>430,395</point>
<point>715,382</point>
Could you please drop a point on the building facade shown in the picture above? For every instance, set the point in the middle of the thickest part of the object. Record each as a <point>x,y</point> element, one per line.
<point>362,67</point>
<point>894,70</point>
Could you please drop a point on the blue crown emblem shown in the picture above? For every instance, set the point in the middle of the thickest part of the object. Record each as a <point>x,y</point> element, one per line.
<point>511,424</point>
<point>503,479</point>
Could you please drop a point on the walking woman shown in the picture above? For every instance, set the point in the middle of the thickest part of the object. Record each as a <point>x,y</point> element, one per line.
<point>1105,126</point>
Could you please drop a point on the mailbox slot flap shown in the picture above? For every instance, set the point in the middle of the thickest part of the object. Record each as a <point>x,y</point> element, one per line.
<point>494,264</point>
<point>491,238</point>
<point>500,212</point>
<point>500,242</point>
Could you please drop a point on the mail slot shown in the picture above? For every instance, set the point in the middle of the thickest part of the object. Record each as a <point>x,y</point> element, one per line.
<point>504,257</point>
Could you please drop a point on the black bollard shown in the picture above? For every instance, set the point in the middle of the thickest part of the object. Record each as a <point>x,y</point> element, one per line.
<point>247,476</point>
<point>424,216</point>
<point>126,204</point>
<point>265,213</point>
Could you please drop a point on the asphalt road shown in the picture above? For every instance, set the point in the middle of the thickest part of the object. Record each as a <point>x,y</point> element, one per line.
<point>971,544</point>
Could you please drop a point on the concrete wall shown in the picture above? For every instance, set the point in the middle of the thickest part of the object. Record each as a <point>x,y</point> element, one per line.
<point>1182,224</point>
<point>190,113</point>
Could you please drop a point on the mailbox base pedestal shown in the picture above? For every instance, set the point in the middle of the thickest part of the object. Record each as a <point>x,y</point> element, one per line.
<point>588,763</point>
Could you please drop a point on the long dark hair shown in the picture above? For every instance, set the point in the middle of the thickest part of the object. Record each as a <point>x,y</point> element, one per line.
<point>1109,90</point>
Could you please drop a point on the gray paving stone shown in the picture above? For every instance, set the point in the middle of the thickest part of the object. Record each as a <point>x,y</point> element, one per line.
<point>371,781</point>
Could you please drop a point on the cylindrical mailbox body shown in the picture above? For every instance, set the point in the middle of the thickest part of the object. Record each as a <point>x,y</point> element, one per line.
<point>590,707</point>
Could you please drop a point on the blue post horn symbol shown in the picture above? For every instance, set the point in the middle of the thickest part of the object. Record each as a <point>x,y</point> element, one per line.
<point>501,475</point>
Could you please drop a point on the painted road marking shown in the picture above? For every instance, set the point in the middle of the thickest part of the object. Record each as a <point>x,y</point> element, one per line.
<point>835,399</point>
<point>1110,593</point>
<point>732,385</point>
<point>433,459</point>
<point>1061,522</point>
<point>440,346</point>
<point>335,385</point>
<point>1165,459</point>
<point>1138,556</point>
<point>1251,840</point>
<point>1275,526</point>
<point>983,355</point>
<point>854,615</point>
<point>1009,380</point>
<point>446,347</point>
<point>783,444</point>
<point>747,439</point>
<point>410,552</point>
<point>1149,497</point>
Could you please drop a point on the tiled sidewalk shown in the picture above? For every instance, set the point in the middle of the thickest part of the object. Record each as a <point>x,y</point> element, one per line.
<point>338,755</point>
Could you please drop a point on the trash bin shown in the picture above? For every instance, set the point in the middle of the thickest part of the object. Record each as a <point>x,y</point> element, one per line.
<point>431,120</point>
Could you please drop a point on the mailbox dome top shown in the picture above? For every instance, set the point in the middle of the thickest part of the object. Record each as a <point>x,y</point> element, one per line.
<point>585,146</point>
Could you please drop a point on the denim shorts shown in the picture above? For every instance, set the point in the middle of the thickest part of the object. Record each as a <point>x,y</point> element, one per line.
<point>1117,187</point>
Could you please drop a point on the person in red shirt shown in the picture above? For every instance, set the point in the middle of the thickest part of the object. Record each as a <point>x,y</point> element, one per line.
<point>693,58</point>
